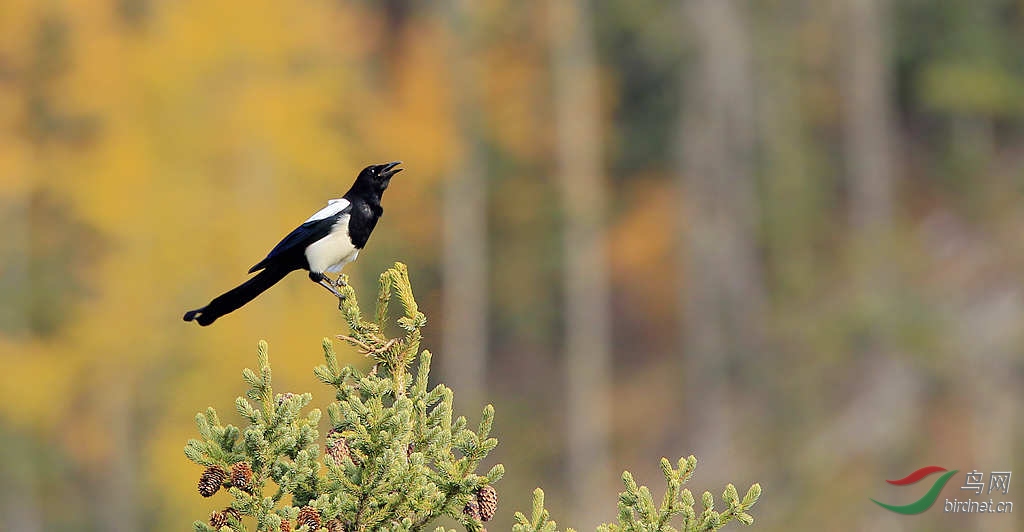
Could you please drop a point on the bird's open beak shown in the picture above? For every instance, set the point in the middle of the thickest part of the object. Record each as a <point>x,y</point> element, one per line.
<point>390,170</point>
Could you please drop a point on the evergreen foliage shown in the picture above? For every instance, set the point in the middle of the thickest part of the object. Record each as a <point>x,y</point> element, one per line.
<point>396,458</point>
<point>638,513</point>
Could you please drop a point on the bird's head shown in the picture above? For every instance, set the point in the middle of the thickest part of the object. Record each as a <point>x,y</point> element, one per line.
<point>377,177</point>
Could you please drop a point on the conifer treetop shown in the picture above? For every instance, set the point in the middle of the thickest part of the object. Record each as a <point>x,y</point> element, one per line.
<point>395,457</point>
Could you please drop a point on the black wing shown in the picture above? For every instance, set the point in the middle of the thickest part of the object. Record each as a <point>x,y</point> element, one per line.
<point>293,246</point>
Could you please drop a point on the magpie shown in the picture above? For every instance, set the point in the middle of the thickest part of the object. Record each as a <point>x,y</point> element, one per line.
<point>325,242</point>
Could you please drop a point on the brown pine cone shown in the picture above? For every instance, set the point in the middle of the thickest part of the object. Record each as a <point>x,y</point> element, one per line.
<point>286,525</point>
<point>222,518</point>
<point>335,525</point>
<point>338,450</point>
<point>472,509</point>
<point>218,519</point>
<point>487,497</point>
<point>241,477</point>
<point>211,480</point>
<point>308,516</point>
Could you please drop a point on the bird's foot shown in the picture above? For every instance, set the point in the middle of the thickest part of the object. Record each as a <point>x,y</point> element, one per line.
<point>339,281</point>
<point>331,288</point>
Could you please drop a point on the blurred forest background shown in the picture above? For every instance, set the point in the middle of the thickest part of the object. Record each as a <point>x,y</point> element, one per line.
<point>786,236</point>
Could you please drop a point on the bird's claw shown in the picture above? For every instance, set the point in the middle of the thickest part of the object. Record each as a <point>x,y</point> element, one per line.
<point>331,288</point>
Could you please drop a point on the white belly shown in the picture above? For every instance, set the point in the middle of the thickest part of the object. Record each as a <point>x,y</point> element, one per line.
<point>332,252</point>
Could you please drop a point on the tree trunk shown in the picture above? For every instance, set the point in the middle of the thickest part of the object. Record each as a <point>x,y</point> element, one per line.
<point>722,294</point>
<point>20,485</point>
<point>867,116</point>
<point>118,499</point>
<point>869,167</point>
<point>588,334</point>
<point>464,260</point>
<point>867,138</point>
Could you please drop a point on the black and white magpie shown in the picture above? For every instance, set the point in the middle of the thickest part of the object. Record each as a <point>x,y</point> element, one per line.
<point>325,242</point>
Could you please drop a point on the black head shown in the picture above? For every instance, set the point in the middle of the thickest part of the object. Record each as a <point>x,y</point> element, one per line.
<point>377,177</point>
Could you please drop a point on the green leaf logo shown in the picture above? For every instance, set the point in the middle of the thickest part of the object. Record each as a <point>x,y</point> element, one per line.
<point>929,498</point>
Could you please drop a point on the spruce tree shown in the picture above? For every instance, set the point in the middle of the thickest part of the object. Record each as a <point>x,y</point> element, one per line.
<point>396,458</point>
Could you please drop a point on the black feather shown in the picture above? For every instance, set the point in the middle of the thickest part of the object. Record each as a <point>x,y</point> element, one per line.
<point>236,297</point>
<point>291,249</point>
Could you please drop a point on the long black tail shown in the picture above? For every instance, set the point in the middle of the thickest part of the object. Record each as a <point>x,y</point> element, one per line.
<point>236,297</point>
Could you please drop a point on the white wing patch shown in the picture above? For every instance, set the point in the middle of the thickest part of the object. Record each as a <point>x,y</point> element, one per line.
<point>334,251</point>
<point>333,207</point>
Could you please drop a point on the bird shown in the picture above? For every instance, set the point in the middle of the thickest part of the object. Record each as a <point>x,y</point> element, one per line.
<point>327,241</point>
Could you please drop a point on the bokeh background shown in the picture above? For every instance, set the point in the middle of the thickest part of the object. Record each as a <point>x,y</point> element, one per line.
<point>786,236</point>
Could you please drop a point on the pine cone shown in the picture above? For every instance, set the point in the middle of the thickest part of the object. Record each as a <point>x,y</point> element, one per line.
<point>222,518</point>
<point>487,497</point>
<point>241,477</point>
<point>335,525</point>
<point>338,450</point>
<point>409,450</point>
<point>211,480</point>
<point>286,525</point>
<point>308,516</point>
<point>218,519</point>
<point>472,509</point>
